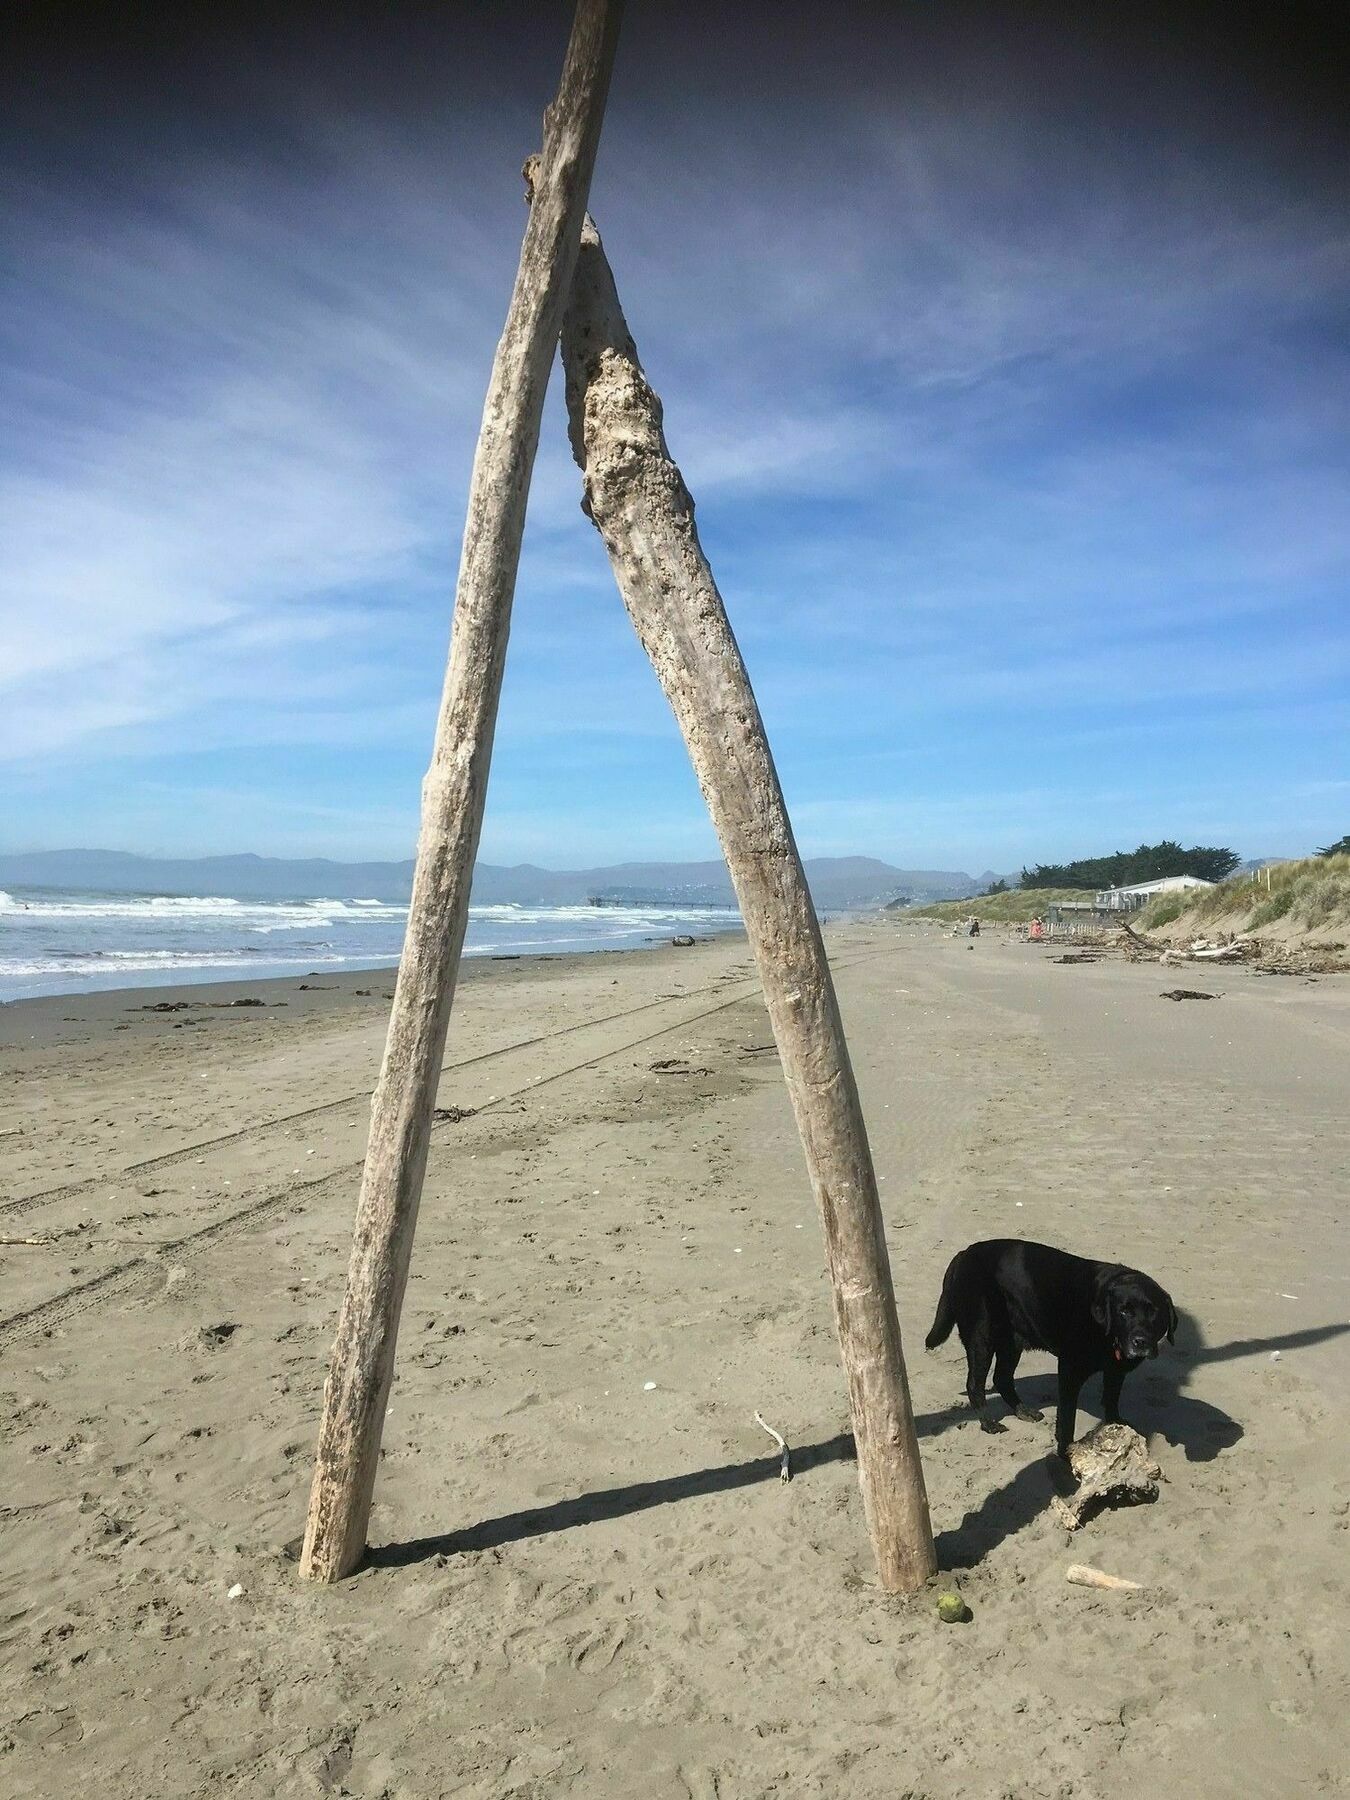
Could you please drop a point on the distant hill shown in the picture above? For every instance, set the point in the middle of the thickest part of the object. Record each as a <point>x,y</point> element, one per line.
<point>837,882</point>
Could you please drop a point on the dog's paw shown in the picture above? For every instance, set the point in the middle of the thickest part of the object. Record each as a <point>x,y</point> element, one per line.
<point>1029,1413</point>
<point>992,1425</point>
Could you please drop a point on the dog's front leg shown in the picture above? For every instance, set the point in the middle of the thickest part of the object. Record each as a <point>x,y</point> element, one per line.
<point>1112,1382</point>
<point>1066,1414</point>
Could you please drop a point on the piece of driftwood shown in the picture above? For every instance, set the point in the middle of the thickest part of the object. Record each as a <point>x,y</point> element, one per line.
<point>1084,1576</point>
<point>1113,1466</point>
<point>637,498</point>
<point>362,1367</point>
<point>784,1465</point>
<point>1136,947</point>
<point>1186,994</point>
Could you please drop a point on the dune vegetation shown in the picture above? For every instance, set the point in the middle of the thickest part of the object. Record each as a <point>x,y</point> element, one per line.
<point>1016,906</point>
<point>1307,897</point>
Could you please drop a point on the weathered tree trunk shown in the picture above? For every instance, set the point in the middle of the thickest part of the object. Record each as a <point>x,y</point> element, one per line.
<point>637,498</point>
<point>362,1368</point>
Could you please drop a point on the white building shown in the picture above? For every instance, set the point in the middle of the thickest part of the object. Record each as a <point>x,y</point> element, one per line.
<point>1130,899</point>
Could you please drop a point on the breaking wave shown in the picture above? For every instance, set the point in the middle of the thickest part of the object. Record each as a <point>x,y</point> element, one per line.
<point>53,941</point>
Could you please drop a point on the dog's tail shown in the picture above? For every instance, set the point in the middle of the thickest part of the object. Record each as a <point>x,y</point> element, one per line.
<point>944,1321</point>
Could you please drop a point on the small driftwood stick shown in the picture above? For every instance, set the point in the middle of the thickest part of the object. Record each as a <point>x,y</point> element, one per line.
<point>362,1368</point>
<point>638,500</point>
<point>784,1467</point>
<point>1083,1576</point>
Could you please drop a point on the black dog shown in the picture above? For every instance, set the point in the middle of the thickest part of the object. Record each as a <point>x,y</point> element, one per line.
<point>1007,1296</point>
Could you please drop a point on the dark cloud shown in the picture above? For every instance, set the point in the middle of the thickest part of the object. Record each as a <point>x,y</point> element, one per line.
<point>1222,72</point>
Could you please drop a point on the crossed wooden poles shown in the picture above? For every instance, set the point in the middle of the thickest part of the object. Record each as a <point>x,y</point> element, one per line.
<point>638,500</point>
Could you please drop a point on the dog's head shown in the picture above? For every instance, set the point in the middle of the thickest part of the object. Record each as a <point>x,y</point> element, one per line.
<point>1134,1312</point>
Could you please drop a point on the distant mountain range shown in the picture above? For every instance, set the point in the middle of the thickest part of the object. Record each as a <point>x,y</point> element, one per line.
<point>837,882</point>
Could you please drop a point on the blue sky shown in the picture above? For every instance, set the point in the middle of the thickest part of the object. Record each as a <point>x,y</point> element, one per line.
<point>1010,373</point>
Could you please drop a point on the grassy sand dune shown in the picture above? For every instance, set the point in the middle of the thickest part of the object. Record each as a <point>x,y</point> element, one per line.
<point>1017,907</point>
<point>1307,900</point>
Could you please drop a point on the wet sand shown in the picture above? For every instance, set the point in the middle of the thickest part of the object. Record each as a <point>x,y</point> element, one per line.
<point>585,1585</point>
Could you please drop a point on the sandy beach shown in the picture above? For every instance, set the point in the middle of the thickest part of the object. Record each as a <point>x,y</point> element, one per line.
<point>585,1584</point>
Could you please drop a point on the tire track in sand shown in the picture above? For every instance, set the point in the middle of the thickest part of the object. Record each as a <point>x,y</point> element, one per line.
<point>147,1267</point>
<point>23,1203</point>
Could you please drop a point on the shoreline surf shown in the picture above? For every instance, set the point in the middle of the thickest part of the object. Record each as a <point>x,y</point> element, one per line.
<point>72,942</point>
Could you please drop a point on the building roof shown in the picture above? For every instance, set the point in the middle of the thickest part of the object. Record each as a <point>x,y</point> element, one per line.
<point>1162,886</point>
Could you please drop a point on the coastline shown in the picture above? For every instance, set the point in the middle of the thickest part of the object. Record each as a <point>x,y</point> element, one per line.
<point>574,1569</point>
<point>84,943</point>
<point>36,1017</point>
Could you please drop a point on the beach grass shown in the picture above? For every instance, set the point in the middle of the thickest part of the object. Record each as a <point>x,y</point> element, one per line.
<point>1017,907</point>
<point>1312,895</point>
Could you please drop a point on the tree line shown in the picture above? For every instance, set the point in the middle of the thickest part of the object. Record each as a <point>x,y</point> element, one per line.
<point>1150,862</point>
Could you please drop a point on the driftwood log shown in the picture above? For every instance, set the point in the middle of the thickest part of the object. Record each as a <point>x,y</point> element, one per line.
<point>1083,1576</point>
<point>362,1367</point>
<point>1113,1467</point>
<point>638,500</point>
<point>1136,947</point>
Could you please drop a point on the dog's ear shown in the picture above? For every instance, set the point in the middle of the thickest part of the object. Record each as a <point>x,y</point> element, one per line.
<point>1101,1300</point>
<point>1171,1321</point>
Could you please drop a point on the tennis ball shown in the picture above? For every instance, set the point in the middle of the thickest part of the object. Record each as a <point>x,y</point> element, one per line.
<point>952,1609</point>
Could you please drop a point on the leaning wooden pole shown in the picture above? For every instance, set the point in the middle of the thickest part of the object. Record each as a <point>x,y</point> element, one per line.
<point>362,1367</point>
<point>637,498</point>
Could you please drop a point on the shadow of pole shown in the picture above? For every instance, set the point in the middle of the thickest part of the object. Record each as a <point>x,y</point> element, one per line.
<point>606,1504</point>
<point>1200,1429</point>
<point>1286,1340</point>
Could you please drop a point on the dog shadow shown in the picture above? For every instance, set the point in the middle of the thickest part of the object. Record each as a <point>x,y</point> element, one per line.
<point>1157,1407</point>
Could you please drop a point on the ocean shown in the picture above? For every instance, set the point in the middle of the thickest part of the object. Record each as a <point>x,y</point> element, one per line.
<point>69,943</point>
